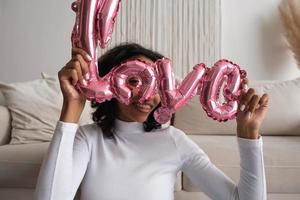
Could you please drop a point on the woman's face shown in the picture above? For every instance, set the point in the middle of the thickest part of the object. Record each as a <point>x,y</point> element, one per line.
<point>135,111</point>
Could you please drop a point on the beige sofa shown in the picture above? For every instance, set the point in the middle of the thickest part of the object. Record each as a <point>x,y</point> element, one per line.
<point>20,163</point>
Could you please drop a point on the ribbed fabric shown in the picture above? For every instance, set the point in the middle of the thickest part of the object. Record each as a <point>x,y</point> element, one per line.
<point>186,31</point>
<point>140,165</point>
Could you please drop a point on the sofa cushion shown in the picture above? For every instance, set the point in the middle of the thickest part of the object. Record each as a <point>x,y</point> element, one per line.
<point>281,157</point>
<point>282,118</point>
<point>183,195</point>
<point>5,124</point>
<point>35,107</point>
<point>2,99</point>
<point>34,110</point>
<point>16,194</point>
<point>20,164</point>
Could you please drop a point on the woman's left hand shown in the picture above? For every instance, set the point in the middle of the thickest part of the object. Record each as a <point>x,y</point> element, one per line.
<point>251,113</point>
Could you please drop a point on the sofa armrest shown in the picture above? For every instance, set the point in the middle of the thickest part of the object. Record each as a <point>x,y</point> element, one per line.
<point>5,125</point>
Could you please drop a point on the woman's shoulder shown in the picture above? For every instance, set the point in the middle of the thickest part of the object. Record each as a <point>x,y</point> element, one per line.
<point>173,131</point>
<point>90,130</point>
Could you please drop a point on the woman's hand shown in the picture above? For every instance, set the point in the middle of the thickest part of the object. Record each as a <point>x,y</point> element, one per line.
<point>251,113</point>
<point>75,70</point>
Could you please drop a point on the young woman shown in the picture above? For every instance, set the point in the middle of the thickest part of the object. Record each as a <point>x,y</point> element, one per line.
<point>126,155</point>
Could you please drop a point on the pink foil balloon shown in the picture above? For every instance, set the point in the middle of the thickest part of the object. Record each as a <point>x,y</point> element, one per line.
<point>141,71</point>
<point>203,81</point>
<point>99,91</point>
<point>106,20</point>
<point>94,23</point>
<point>209,96</point>
<point>84,33</point>
<point>115,84</point>
<point>172,96</point>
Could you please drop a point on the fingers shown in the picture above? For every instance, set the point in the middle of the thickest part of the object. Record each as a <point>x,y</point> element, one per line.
<point>246,98</point>
<point>68,74</point>
<point>264,100</point>
<point>75,70</point>
<point>245,84</point>
<point>74,76</point>
<point>83,64</point>
<point>253,103</point>
<point>73,73</point>
<point>250,101</point>
<point>84,54</point>
<point>84,59</point>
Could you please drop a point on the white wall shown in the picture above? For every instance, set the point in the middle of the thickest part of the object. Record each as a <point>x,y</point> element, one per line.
<point>188,32</point>
<point>35,37</point>
<point>252,36</point>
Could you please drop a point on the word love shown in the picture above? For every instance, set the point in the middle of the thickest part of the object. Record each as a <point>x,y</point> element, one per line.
<point>94,24</point>
<point>159,78</point>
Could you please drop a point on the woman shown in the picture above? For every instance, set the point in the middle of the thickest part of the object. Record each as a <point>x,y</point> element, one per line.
<point>126,155</point>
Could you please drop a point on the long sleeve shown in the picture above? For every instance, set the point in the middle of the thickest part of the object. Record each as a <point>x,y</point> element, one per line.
<point>64,165</point>
<point>197,166</point>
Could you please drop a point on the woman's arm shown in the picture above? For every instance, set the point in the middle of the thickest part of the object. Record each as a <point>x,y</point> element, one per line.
<point>66,161</point>
<point>252,171</point>
<point>64,165</point>
<point>197,166</point>
<point>252,184</point>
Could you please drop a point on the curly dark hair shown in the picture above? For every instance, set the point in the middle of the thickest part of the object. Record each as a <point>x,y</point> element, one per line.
<point>105,112</point>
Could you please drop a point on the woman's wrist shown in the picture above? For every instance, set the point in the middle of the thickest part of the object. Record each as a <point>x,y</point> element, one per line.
<point>247,134</point>
<point>71,112</point>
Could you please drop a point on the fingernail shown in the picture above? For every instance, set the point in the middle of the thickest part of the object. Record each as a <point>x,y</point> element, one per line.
<point>245,87</point>
<point>87,76</point>
<point>88,57</point>
<point>242,107</point>
<point>84,82</point>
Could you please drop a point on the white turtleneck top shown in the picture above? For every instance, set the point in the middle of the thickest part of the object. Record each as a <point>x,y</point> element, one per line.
<point>140,165</point>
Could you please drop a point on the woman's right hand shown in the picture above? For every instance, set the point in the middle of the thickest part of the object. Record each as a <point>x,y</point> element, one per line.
<point>75,70</point>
